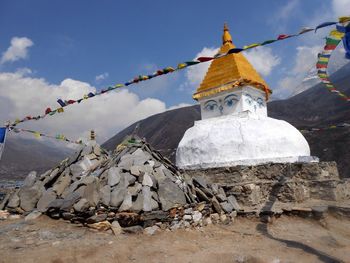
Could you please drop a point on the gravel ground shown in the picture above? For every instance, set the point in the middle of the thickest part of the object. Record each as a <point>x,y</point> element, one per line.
<point>286,239</point>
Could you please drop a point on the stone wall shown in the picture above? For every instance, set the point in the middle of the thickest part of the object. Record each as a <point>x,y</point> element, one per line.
<point>279,185</point>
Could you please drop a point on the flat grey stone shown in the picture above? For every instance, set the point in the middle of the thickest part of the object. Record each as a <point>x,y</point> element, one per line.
<point>140,157</point>
<point>97,150</point>
<point>134,170</point>
<point>81,205</point>
<point>117,196</point>
<point>147,199</point>
<point>14,200</point>
<point>127,203</point>
<point>70,200</point>
<point>199,181</point>
<point>147,180</point>
<point>52,175</point>
<point>62,183</point>
<point>227,207</point>
<point>33,215</point>
<point>96,218</point>
<point>216,205</point>
<point>129,178</point>
<point>154,204</point>
<point>29,196</point>
<point>73,158</point>
<point>126,162</point>
<point>44,201</point>
<point>116,228</point>
<point>87,150</point>
<point>56,204</point>
<point>91,156</point>
<point>113,176</point>
<point>30,179</point>
<point>105,195</point>
<point>76,169</point>
<point>170,195</point>
<point>201,195</point>
<point>221,197</point>
<point>137,206</point>
<point>91,193</point>
<point>158,174</point>
<point>133,229</point>
<point>135,189</point>
<point>232,200</point>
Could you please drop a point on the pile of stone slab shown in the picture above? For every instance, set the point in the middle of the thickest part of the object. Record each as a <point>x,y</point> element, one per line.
<point>134,186</point>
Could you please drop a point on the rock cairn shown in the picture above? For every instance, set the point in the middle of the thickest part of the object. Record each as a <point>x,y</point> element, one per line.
<point>135,187</point>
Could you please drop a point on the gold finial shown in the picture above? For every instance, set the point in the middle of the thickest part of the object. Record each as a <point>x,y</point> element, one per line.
<point>226,37</point>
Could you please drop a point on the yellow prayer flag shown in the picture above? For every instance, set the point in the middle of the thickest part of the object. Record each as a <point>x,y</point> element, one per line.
<point>251,46</point>
<point>336,34</point>
<point>344,19</point>
<point>37,135</point>
<point>60,110</point>
<point>181,65</point>
<point>323,59</point>
<point>118,85</point>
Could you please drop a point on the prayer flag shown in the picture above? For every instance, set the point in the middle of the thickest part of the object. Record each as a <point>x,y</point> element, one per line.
<point>61,102</point>
<point>204,59</point>
<point>2,139</point>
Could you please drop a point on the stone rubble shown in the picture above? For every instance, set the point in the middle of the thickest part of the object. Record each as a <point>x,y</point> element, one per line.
<point>133,190</point>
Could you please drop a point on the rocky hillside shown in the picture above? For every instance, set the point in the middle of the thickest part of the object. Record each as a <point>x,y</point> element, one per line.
<point>23,155</point>
<point>315,107</point>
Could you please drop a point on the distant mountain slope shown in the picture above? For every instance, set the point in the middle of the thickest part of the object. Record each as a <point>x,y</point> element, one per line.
<point>24,155</point>
<point>314,107</point>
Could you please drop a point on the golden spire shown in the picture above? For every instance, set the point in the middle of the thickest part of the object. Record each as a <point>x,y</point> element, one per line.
<point>229,72</point>
<point>226,37</point>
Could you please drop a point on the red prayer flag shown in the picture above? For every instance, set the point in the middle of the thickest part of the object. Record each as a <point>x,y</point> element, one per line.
<point>330,47</point>
<point>280,37</point>
<point>47,111</point>
<point>204,59</point>
<point>321,66</point>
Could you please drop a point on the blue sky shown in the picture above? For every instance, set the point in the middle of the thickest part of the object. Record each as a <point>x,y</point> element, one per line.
<point>117,40</point>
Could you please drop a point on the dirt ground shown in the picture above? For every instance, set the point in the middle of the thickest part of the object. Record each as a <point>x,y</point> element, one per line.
<point>287,239</point>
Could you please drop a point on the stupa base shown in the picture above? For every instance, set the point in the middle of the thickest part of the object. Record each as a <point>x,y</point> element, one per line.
<point>241,139</point>
<point>250,162</point>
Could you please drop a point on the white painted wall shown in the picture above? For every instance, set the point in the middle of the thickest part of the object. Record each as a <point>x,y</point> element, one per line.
<point>234,102</point>
<point>242,139</point>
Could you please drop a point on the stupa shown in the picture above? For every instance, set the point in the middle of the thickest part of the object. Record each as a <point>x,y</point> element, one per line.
<point>234,128</point>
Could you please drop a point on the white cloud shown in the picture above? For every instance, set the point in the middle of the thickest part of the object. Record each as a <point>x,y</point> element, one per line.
<point>195,74</point>
<point>286,10</point>
<point>101,77</point>
<point>262,59</point>
<point>106,114</point>
<point>17,50</point>
<point>306,57</point>
<point>341,7</point>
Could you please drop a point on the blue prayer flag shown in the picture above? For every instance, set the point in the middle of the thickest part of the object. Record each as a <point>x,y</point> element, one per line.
<point>2,139</point>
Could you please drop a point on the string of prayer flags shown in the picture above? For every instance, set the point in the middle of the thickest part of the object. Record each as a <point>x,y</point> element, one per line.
<point>38,135</point>
<point>332,41</point>
<point>325,24</point>
<point>341,125</point>
<point>321,65</point>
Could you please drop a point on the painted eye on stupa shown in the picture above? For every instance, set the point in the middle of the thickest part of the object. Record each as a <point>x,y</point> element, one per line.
<point>249,99</point>
<point>260,102</point>
<point>211,105</point>
<point>230,100</point>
